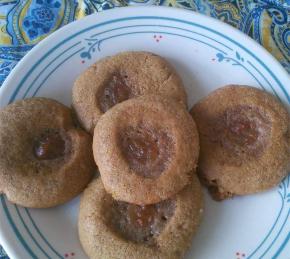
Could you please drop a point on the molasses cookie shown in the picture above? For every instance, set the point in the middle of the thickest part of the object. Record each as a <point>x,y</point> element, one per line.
<point>146,149</point>
<point>121,77</point>
<point>44,159</point>
<point>244,139</point>
<point>115,229</point>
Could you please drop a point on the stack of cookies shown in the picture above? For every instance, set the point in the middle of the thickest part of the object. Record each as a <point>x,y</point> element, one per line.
<point>148,201</point>
<point>130,120</point>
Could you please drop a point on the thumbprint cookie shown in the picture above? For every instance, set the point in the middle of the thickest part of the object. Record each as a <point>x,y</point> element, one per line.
<point>44,159</point>
<point>115,79</point>
<point>244,141</point>
<point>146,149</point>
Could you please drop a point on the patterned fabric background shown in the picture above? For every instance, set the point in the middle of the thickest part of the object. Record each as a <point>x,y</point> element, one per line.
<point>23,23</point>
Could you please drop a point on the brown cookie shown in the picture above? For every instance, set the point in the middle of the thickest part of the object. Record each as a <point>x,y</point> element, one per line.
<point>146,149</point>
<point>44,159</point>
<point>113,229</point>
<point>121,77</point>
<point>244,139</point>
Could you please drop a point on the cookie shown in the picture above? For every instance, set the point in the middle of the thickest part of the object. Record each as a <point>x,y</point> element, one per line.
<point>121,77</point>
<point>44,159</point>
<point>114,229</point>
<point>146,149</point>
<point>244,139</point>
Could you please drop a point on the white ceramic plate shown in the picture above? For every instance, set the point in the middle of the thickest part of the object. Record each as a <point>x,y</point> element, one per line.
<point>207,54</point>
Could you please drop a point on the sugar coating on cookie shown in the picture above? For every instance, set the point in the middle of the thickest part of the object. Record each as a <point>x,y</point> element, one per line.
<point>244,139</point>
<point>114,229</point>
<point>118,78</point>
<point>44,159</point>
<point>146,149</point>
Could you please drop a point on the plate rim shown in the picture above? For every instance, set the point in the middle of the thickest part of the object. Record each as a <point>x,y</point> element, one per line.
<point>118,10</point>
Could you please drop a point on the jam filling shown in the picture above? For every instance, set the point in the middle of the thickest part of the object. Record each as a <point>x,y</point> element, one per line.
<point>50,145</point>
<point>243,129</point>
<point>147,150</point>
<point>116,91</point>
<point>140,223</point>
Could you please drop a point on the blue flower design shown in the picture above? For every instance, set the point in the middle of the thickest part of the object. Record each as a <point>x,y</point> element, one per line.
<point>93,44</point>
<point>43,14</point>
<point>41,18</point>
<point>235,62</point>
